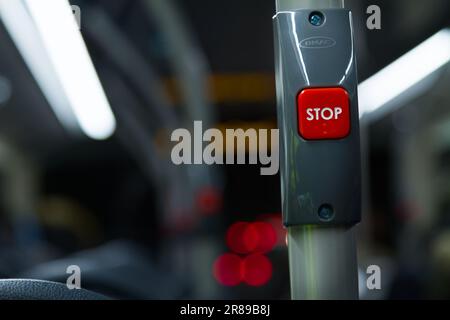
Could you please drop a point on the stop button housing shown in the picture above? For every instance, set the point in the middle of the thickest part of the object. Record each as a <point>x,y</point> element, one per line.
<point>317,106</point>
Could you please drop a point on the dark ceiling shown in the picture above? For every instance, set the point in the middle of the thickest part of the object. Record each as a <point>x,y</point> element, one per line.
<point>236,37</point>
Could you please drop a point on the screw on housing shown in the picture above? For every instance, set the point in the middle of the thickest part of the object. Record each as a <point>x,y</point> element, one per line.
<point>326,212</point>
<point>316,18</point>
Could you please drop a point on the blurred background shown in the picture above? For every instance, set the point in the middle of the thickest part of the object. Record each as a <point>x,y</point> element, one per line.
<point>108,198</point>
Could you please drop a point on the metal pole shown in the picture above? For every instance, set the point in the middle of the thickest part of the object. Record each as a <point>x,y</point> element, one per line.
<point>322,259</point>
<point>322,263</point>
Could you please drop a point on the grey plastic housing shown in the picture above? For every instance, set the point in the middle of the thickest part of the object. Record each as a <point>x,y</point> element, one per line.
<point>321,172</point>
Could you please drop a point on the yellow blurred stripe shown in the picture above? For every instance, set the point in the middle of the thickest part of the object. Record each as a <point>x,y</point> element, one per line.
<point>234,88</point>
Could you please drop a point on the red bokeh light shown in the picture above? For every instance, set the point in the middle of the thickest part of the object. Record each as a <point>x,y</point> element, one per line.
<point>241,239</point>
<point>256,270</point>
<point>245,238</point>
<point>276,221</point>
<point>209,201</point>
<point>227,269</point>
<point>252,239</point>
<point>266,236</point>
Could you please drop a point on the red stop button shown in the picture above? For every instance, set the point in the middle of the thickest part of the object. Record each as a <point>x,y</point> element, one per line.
<point>323,113</point>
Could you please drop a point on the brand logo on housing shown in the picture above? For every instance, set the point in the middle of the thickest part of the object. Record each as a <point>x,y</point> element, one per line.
<point>317,43</point>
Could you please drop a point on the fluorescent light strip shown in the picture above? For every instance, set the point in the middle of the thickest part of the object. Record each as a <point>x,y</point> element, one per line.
<point>56,37</point>
<point>404,73</point>
<point>21,28</point>
<point>68,53</point>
